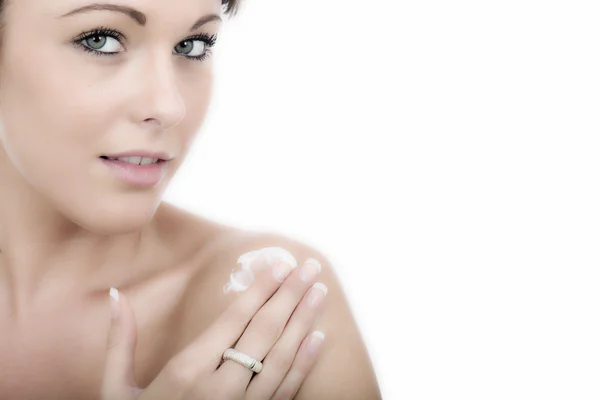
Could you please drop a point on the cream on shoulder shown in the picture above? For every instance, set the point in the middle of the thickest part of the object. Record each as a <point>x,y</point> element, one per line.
<point>248,263</point>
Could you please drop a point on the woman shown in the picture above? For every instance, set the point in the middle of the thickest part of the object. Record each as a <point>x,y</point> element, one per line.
<point>99,104</point>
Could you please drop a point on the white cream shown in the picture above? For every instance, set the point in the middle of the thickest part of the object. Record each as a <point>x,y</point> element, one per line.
<point>253,261</point>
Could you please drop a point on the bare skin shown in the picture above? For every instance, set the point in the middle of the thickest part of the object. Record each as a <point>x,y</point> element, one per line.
<point>69,229</point>
<point>58,345</point>
<point>58,350</point>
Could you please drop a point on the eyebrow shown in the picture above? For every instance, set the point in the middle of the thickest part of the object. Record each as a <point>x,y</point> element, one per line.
<point>136,15</point>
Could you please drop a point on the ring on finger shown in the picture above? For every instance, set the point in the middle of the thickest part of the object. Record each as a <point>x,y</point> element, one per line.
<point>242,358</point>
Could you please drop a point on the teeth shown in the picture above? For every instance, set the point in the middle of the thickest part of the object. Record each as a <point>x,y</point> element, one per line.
<point>138,160</point>
<point>147,160</point>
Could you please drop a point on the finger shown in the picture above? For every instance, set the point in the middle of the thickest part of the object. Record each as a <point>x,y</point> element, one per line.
<point>279,360</point>
<point>269,323</point>
<point>303,363</point>
<point>118,381</point>
<point>230,325</point>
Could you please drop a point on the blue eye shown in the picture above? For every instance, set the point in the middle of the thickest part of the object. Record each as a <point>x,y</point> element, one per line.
<point>101,41</point>
<point>189,48</point>
<point>196,47</point>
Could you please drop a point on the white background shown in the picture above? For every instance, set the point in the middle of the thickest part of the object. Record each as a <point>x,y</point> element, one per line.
<point>445,156</point>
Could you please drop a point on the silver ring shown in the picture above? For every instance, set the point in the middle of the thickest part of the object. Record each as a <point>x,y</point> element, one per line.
<point>242,358</point>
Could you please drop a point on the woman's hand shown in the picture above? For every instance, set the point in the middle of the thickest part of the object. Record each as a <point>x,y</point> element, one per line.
<point>270,322</point>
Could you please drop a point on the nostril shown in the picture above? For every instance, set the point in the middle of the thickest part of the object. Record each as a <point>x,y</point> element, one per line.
<point>152,120</point>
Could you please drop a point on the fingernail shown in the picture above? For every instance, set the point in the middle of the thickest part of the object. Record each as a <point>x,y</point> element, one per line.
<point>310,270</point>
<point>275,254</point>
<point>281,270</point>
<point>114,302</point>
<point>315,341</point>
<point>317,294</point>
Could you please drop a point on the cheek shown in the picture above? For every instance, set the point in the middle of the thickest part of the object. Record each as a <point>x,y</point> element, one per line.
<point>197,97</point>
<point>47,112</point>
<point>46,132</point>
<point>53,129</point>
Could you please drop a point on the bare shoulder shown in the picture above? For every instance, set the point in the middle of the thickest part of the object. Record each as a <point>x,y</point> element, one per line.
<point>344,369</point>
<point>188,234</point>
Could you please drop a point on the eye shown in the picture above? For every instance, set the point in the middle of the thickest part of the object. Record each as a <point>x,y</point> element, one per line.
<point>192,48</point>
<point>197,47</point>
<point>105,44</point>
<point>101,41</point>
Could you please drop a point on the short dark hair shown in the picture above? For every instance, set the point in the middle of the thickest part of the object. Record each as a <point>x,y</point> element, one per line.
<point>230,7</point>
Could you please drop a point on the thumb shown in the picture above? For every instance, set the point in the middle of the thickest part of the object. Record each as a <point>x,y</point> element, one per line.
<point>118,382</point>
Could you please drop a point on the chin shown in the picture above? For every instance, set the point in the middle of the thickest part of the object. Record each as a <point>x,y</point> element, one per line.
<point>116,217</point>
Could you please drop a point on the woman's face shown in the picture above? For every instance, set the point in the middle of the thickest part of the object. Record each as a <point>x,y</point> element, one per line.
<point>138,82</point>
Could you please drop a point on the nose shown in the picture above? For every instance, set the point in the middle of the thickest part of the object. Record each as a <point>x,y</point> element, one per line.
<point>158,100</point>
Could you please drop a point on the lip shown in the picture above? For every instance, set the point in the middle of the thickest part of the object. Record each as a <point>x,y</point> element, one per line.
<point>141,153</point>
<point>147,175</point>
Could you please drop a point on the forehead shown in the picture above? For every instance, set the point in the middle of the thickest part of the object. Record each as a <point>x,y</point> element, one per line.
<point>152,9</point>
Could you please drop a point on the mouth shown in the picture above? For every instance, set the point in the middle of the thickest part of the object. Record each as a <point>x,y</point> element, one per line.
<point>139,170</point>
<point>136,160</point>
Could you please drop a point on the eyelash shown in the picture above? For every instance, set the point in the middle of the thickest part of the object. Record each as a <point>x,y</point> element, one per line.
<point>210,41</point>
